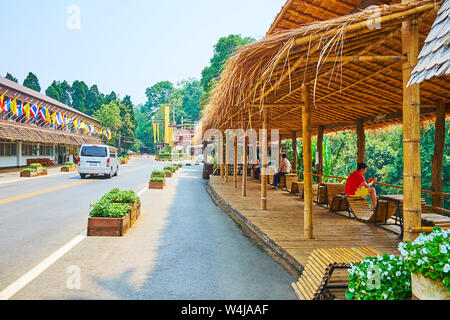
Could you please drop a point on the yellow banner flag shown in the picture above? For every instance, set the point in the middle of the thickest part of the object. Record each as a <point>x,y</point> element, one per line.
<point>14,106</point>
<point>154,132</point>
<point>157,132</point>
<point>26,110</point>
<point>167,122</point>
<point>47,116</point>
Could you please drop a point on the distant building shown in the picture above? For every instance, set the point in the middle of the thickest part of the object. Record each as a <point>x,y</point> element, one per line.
<point>23,138</point>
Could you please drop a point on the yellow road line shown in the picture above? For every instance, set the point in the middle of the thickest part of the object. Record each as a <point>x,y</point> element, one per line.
<point>37,193</point>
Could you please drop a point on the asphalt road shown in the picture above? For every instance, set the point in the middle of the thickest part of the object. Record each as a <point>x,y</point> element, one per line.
<point>182,247</point>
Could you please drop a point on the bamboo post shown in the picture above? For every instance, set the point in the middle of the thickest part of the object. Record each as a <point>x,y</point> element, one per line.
<point>222,167</point>
<point>263,173</point>
<point>244,171</point>
<point>320,153</point>
<point>411,132</point>
<point>438,156</point>
<point>294,152</point>
<point>307,161</point>
<point>226,163</point>
<point>280,150</point>
<point>361,141</point>
<point>235,162</point>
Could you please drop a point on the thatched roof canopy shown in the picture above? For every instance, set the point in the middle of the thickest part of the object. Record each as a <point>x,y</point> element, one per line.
<point>353,64</point>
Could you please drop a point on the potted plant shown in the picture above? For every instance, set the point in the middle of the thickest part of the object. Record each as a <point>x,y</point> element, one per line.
<point>43,171</point>
<point>168,173</point>
<point>128,197</point>
<point>382,278</point>
<point>37,166</point>
<point>158,174</point>
<point>109,219</point>
<point>428,260</point>
<point>28,173</point>
<point>68,167</point>
<point>157,183</point>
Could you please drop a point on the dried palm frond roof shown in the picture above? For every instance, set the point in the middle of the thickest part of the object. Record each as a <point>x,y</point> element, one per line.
<point>353,63</point>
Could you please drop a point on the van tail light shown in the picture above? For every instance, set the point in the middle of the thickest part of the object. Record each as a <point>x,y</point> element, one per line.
<point>79,161</point>
<point>107,163</point>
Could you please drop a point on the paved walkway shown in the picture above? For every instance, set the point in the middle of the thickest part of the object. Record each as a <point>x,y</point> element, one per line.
<point>182,247</point>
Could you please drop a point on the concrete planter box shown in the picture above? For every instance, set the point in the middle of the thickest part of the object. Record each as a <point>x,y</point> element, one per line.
<point>156,185</point>
<point>108,227</point>
<point>427,289</point>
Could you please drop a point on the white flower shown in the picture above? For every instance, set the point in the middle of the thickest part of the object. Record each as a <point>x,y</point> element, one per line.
<point>398,273</point>
<point>424,251</point>
<point>447,268</point>
<point>392,257</point>
<point>443,249</point>
<point>419,262</point>
<point>351,290</point>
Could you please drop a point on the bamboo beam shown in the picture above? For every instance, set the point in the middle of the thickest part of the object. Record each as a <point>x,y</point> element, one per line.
<point>361,141</point>
<point>339,59</point>
<point>438,156</point>
<point>245,163</point>
<point>307,162</point>
<point>235,162</point>
<point>411,132</point>
<point>294,151</point>
<point>263,174</point>
<point>320,152</point>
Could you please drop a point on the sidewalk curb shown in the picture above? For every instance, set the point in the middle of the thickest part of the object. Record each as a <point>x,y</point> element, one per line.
<point>256,235</point>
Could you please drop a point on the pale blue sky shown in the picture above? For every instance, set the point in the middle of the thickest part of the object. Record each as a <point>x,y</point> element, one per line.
<point>125,46</point>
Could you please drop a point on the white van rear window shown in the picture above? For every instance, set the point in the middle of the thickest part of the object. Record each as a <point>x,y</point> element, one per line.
<point>94,152</point>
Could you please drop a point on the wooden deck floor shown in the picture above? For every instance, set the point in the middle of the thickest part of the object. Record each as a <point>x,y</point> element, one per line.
<point>283,222</point>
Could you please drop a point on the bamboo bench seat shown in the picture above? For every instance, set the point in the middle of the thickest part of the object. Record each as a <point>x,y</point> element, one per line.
<point>333,189</point>
<point>313,284</point>
<point>435,220</point>
<point>297,187</point>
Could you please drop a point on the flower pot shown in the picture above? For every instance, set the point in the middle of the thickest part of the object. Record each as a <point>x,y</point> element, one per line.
<point>28,174</point>
<point>108,227</point>
<point>156,185</point>
<point>428,289</point>
<point>168,175</point>
<point>73,169</point>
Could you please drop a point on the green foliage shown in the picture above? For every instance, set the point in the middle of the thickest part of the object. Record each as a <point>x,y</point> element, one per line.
<point>382,278</point>
<point>67,166</point>
<point>117,196</point>
<point>158,173</point>
<point>223,49</point>
<point>10,77</point>
<point>109,117</point>
<point>104,208</point>
<point>429,255</point>
<point>69,163</point>
<point>29,170</point>
<point>157,179</point>
<point>35,165</point>
<point>32,82</point>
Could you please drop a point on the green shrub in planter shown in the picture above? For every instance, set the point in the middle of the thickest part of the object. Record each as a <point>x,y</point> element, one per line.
<point>69,164</point>
<point>382,278</point>
<point>155,179</point>
<point>429,255</point>
<point>106,209</point>
<point>168,168</point>
<point>29,170</point>
<point>158,173</point>
<point>35,165</point>
<point>117,196</point>
<point>44,168</point>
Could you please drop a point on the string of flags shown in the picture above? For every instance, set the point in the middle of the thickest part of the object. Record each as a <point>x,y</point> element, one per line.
<point>37,112</point>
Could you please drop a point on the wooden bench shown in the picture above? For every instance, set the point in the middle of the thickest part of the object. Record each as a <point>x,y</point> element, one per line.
<point>287,179</point>
<point>297,187</point>
<point>435,220</point>
<point>340,203</point>
<point>333,189</point>
<point>313,284</point>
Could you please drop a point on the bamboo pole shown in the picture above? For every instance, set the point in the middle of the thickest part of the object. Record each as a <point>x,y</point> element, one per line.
<point>294,151</point>
<point>245,163</point>
<point>355,59</point>
<point>226,162</point>
<point>263,173</point>
<point>411,132</point>
<point>438,156</point>
<point>307,162</point>
<point>361,141</point>
<point>235,162</point>
<point>320,153</point>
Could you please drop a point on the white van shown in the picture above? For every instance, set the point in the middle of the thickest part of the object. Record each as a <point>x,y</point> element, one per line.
<point>98,160</point>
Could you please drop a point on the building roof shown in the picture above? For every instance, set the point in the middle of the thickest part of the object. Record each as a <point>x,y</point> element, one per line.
<point>434,59</point>
<point>296,13</point>
<point>28,133</point>
<point>352,64</point>
<point>15,88</point>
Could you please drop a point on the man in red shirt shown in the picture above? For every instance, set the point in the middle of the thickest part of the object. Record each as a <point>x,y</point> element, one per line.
<point>357,181</point>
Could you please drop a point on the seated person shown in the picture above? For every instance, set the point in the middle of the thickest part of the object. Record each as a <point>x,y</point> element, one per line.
<point>285,167</point>
<point>257,169</point>
<point>357,181</point>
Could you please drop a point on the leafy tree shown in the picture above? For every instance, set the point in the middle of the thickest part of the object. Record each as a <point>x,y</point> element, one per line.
<point>109,116</point>
<point>10,77</point>
<point>224,48</point>
<point>79,94</point>
<point>32,82</point>
<point>158,94</point>
<point>94,99</point>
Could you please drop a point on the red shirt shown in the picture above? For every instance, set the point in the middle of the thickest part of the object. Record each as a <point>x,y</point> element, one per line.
<point>354,182</point>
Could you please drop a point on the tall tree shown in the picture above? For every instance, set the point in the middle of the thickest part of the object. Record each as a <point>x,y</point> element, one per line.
<point>10,77</point>
<point>109,117</point>
<point>79,93</point>
<point>224,48</point>
<point>158,94</point>
<point>94,99</point>
<point>32,82</point>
